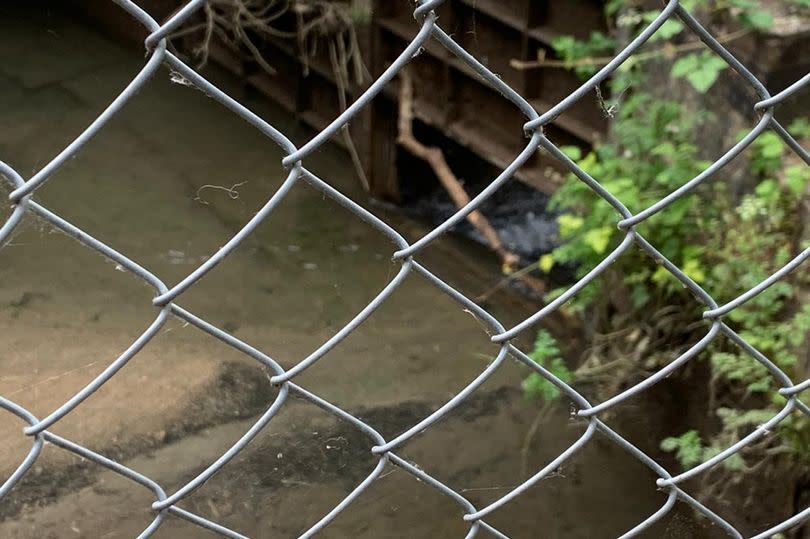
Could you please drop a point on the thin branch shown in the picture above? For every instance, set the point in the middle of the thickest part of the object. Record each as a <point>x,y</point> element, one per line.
<point>666,50</point>
<point>434,157</point>
<point>522,274</point>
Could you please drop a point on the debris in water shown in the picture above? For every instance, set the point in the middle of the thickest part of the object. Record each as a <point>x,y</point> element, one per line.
<point>233,194</point>
<point>348,248</point>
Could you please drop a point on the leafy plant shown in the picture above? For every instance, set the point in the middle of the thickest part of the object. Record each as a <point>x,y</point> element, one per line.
<point>571,50</point>
<point>701,68</point>
<point>546,354</point>
<point>727,246</point>
<point>688,448</point>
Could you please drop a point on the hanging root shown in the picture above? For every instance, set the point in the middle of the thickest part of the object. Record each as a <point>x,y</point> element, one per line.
<point>238,24</point>
<point>341,78</point>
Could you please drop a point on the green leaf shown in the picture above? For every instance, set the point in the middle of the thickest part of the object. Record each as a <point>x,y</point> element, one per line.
<point>694,271</point>
<point>701,70</point>
<point>733,418</point>
<point>589,162</point>
<point>800,127</point>
<point>546,262</point>
<point>639,296</point>
<point>546,354</point>
<point>660,276</point>
<point>767,189</point>
<point>598,239</point>
<point>665,149</point>
<point>623,188</point>
<point>703,79</point>
<point>574,153</point>
<point>766,154</point>
<point>668,30</point>
<point>759,19</point>
<point>688,448</point>
<point>684,65</point>
<point>733,463</point>
<point>770,144</point>
<point>796,178</point>
<point>545,347</point>
<point>599,42</point>
<point>554,294</point>
<point>743,4</point>
<point>691,5</point>
<point>563,44</point>
<point>569,224</point>
<point>613,6</point>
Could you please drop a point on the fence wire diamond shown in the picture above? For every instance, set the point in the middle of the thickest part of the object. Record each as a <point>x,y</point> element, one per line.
<point>165,301</point>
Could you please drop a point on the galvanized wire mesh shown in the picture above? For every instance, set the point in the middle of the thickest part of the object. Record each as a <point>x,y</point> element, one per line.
<point>166,297</point>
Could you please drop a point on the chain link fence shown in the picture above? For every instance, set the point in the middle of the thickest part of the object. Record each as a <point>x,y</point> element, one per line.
<point>166,298</point>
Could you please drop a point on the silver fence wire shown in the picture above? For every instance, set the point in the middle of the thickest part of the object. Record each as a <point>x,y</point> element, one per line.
<point>166,297</point>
